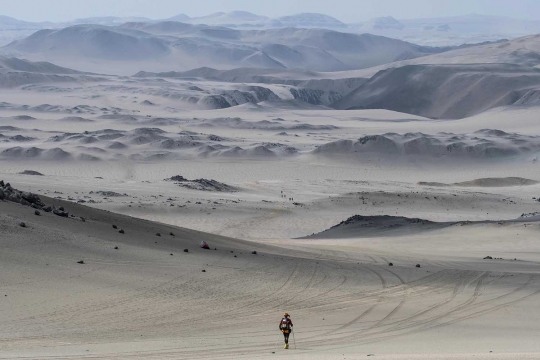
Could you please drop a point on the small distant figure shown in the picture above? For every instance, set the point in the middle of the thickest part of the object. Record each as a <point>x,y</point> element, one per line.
<point>286,326</point>
<point>204,245</point>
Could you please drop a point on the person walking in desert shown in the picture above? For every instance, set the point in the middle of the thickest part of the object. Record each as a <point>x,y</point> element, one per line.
<point>286,326</point>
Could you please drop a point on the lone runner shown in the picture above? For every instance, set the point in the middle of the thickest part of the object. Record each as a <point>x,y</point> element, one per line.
<point>286,325</point>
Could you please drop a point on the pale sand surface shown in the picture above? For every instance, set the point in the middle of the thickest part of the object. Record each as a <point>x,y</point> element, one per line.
<point>141,302</point>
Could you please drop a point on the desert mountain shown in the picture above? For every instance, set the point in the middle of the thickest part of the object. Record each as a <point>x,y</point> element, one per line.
<point>154,46</point>
<point>522,51</point>
<point>476,23</point>
<point>242,19</point>
<point>382,23</point>
<point>446,91</point>
<point>311,20</point>
<point>16,72</point>
<point>11,63</point>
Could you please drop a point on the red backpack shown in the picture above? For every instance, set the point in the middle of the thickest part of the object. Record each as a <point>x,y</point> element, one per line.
<point>285,324</point>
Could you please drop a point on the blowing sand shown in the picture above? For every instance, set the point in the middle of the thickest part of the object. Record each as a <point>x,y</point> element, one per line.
<point>264,165</point>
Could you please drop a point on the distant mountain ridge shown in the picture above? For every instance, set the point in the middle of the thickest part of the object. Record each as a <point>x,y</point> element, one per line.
<point>187,46</point>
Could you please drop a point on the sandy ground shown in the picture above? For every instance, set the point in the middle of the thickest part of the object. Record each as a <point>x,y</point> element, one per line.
<point>142,302</point>
<point>345,300</point>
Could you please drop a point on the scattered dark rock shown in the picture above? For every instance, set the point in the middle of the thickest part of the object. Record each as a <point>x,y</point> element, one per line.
<point>171,233</point>
<point>121,231</point>
<point>488,258</point>
<point>22,224</point>
<point>254,252</point>
<point>418,265</point>
<point>115,227</point>
<point>31,172</point>
<point>108,193</point>
<point>177,178</point>
<point>80,262</point>
<point>234,255</point>
<point>37,213</point>
<point>158,234</point>
<point>171,254</point>
<point>202,184</point>
<point>60,212</point>
<point>116,248</point>
<point>47,209</point>
<point>203,270</point>
<point>186,250</point>
<point>391,264</point>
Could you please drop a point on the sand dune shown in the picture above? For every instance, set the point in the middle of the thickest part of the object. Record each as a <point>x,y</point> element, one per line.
<point>488,182</point>
<point>359,226</point>
<point>483,144</point>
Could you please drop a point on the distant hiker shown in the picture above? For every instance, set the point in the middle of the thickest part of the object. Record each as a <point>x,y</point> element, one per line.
<point>286,326</point>
<point>204,245</point>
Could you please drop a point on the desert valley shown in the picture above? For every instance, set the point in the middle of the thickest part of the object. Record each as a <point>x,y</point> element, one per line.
<point>384,192</point>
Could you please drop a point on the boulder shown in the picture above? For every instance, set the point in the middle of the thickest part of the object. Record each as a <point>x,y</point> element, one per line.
<point>31,198</point>
<point>37,213</point>
<point>22,224</point>
<point>418,265</point>
<point>60,213</point>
